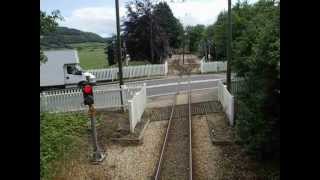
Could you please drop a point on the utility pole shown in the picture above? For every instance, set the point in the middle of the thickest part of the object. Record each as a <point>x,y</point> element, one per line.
<point>119,53</point>
<point>184,39</point>
<point>151,43</point>
<point>208,50</point>
<point>229,47</point>
<point>214,51</point>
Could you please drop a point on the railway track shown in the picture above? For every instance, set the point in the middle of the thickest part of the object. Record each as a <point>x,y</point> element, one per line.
<point>175,160</point>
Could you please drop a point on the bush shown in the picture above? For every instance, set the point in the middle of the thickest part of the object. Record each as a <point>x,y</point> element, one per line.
<point>255,58</point>
<point>59,137</point>
<point>258,119</point>
<point>251,129</point>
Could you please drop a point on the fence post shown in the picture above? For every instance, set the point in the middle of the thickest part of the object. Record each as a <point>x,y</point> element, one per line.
<point>123,89</point>
<point>111,74</point>
<point>226,65</point>
<point>201,66</point>
<point>165,68</point>
<point>219,91</point>
<point>44,101</point>
<point>144,93</point>
<point>232,111</point>
<point>131,115</point>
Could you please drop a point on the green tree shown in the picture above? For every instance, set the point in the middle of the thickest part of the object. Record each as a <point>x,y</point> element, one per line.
<point>149,30</point>
<point>195,34</point>
<point>256,58</point>
<point>48,23</point>
<point>169,23</point>
<point>110,50</point>
<point>217,34</point>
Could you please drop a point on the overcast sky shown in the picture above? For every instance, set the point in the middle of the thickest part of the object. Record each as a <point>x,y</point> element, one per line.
<point>98,16</point>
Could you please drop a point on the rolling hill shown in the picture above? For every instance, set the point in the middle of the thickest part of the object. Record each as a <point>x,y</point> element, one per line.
<point>63,37</point>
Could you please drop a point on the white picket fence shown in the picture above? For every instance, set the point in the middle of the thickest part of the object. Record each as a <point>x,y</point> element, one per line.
<point>131,71</point>
<point>215,66</point>
<point>72,100</point>
<point>227,102</point>
<point>100,87</point>
<point>136,107</point>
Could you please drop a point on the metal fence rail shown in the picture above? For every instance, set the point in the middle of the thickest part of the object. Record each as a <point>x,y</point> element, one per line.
<point>237,85</point>
<point>131,71</point>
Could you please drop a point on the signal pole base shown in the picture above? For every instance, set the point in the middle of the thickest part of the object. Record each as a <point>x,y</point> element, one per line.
<point>98,158</point>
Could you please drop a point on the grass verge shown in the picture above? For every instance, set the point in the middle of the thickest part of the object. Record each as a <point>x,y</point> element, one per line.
<point>61,135</point>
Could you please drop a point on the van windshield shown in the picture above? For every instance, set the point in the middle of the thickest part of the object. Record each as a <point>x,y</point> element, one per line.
<point>74,69</point>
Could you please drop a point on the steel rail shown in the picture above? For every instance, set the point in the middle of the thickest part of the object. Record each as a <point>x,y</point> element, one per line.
<point>161,159</point>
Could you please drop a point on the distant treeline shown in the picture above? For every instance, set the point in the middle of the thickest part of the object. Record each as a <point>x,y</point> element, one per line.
<point>63,36</point>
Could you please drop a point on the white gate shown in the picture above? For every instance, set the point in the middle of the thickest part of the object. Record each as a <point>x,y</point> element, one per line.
<point>68,101</point>
<point>215,66</point>
<point>136,107</point>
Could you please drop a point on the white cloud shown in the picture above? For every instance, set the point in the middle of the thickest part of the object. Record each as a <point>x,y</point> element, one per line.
<point>198,12</point>
<point>100,20</point>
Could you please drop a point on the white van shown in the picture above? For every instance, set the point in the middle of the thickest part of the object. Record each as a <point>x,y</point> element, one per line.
<point>62,70</point>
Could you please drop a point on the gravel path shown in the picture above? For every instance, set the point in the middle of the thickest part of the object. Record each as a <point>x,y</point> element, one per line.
<point>201,147</point>
<point>137,162</point>
<point>218,162</point>
<point>218,124</point>
<point>209,161</point>
<point>176,66</point>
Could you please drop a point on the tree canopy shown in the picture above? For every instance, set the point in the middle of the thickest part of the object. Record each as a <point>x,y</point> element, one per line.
<point>149,30</point>
<point>195,34</point>
<point>48,23</point>
<point>256,58</point>
<point>169,23</point>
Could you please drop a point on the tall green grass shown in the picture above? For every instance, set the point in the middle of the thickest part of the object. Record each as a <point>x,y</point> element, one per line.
<point>60,135</point>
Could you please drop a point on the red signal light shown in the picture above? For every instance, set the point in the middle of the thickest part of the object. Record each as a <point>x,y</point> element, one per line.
<point>87,89</point>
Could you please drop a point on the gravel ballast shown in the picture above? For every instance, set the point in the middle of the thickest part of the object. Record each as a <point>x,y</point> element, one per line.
<point>137,162</point>
<point>175,163</point>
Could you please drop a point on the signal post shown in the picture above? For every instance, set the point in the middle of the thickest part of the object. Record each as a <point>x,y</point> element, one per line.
<point>87,89</point>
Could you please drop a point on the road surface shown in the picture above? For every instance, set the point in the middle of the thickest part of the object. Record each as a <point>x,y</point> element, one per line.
<point>165,86</point>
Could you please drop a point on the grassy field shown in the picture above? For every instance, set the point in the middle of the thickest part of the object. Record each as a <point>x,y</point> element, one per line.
<point>92,56</point>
